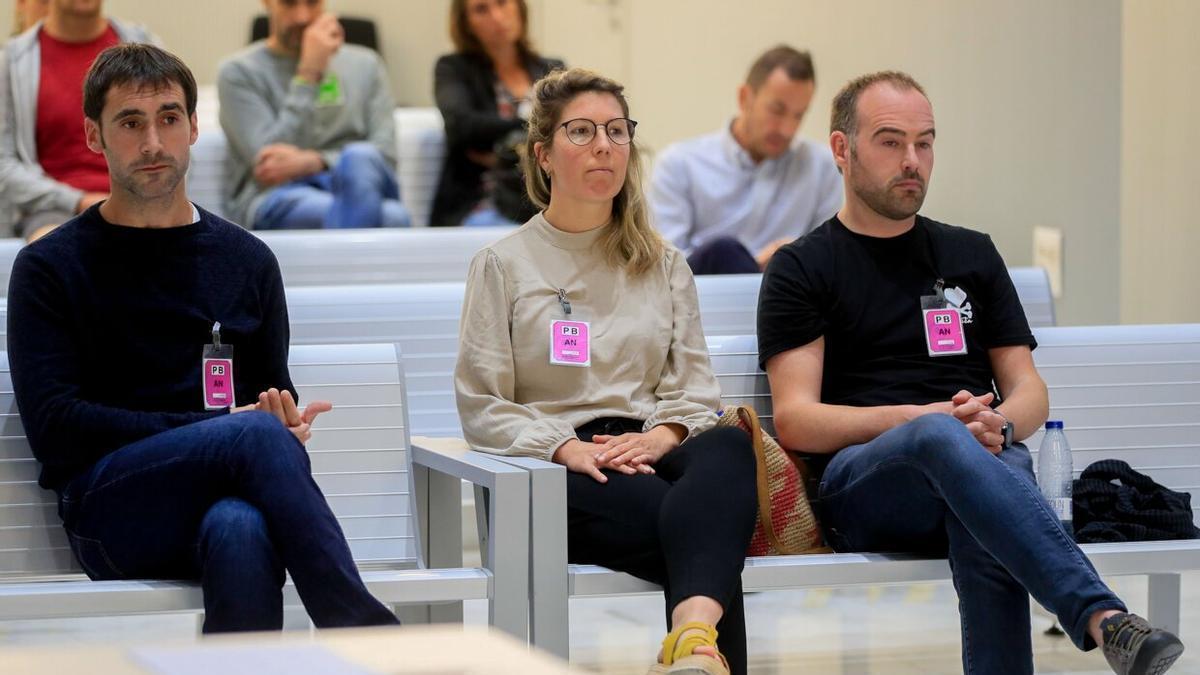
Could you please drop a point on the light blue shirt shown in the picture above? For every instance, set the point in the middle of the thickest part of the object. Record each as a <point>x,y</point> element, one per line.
<point>709,187</point>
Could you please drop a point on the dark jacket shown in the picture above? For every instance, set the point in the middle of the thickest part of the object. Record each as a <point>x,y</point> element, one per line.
<point>464,88</point>
<point>1115,503</point>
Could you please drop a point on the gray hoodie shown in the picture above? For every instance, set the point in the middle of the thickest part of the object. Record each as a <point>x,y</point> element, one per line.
<point>262,102</point>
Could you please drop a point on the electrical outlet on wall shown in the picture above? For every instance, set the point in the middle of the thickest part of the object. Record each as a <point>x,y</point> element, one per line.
<point>1048,254</point>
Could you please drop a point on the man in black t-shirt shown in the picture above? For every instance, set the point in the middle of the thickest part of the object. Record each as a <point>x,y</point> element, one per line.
<point>897,345</point>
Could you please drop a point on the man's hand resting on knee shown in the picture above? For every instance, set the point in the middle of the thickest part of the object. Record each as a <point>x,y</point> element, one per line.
<point>283,406</point>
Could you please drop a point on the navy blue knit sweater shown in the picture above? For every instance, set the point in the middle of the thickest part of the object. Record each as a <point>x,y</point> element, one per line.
<point>107,324</point>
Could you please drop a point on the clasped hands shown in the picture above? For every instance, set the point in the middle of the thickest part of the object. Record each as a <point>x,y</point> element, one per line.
<point>283,407</point>
<point>278,163</point>
<point>977,414</point>
<point>629,453</point>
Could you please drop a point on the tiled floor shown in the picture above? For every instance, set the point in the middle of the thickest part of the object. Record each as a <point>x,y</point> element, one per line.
<point>894,630</point>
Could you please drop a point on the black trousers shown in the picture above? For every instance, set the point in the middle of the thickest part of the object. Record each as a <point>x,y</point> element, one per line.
<point>686,527</point>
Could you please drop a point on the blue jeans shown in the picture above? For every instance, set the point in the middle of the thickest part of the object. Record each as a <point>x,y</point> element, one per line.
<point>929,487</point>
<point>231,502</point>
<point>361,191</point>
<point>487,217</point>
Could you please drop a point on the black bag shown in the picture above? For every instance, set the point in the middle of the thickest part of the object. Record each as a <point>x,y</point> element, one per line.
<point>1113,502</point>
<point>508,194</point>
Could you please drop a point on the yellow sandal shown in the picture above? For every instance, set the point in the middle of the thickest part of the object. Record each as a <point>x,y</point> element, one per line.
<point>677,656</point>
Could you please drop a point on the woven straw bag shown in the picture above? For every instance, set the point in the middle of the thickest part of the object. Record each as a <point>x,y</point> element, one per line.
<point>786,524</point>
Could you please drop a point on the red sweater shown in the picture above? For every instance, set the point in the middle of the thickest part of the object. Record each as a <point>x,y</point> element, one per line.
<point>61,145</point>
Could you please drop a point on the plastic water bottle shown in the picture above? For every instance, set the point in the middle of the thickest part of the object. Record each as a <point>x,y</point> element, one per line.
<point>1055,473</point>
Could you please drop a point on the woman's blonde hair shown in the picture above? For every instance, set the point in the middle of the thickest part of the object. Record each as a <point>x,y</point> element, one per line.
<point>631,242</point>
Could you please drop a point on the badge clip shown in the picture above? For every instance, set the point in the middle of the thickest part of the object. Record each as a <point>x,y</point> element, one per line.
<point>216,373</point>
<point>562,300</point>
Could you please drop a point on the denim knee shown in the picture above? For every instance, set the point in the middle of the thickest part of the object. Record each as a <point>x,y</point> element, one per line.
<point>234,523</point>
<point>263,438</point>
<point>939,439</point>
<point>234,534</point>
<point>359,152</point>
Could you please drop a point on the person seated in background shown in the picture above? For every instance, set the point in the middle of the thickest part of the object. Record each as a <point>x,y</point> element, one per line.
<point>28,12</point>
<point>483,91</point>
<point>622,393</point>
<point>730,199</point>
<point>310,126</point>
<point>47,173</point>
<point>148,344</point>
<point>896,345</point>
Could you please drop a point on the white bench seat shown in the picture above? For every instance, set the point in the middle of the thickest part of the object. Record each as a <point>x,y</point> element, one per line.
<point>1163,445</point>
<point>381,491</point>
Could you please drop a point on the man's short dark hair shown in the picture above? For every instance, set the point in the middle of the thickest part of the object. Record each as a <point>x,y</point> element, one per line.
<point>135,63</point>
<point>797,64</point>
<point>844,117</point>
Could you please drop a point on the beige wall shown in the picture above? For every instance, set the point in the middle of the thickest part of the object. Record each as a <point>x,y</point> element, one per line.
<point>1049,113</point>
<point>1160,237</point>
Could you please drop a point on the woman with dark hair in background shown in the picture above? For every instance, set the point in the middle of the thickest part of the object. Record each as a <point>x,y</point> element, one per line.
<point>483,92</point>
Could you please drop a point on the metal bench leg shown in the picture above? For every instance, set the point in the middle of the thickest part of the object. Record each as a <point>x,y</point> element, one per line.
<point>1165,601</point>
<point>445,536</point>
<point>549,602</point>
<point>482,520</point>
<point>547,554</point>
<point>506,549</point>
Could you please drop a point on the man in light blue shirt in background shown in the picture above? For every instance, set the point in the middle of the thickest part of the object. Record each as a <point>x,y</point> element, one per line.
<point>731,198</point>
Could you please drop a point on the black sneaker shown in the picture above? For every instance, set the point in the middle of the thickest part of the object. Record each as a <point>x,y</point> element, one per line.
<point>1133,647</point>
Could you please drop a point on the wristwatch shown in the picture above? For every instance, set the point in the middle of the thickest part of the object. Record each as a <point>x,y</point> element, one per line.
<point>1006,431</point>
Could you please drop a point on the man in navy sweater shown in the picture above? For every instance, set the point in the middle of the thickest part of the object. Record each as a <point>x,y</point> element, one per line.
<point>148,345</point>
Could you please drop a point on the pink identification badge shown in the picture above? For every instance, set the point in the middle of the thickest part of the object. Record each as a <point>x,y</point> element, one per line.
<point>570,343</point>
<point>216,373</point>
<point>944,332</point>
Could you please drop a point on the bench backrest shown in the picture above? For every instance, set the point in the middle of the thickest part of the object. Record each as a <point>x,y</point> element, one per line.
<point>359,454</point>
<point>377,256</point>
<point>424,320</point>
<point>1033,288</point>
<point>1123,392</point>
<point>422,255</point>
<point>348,257</point>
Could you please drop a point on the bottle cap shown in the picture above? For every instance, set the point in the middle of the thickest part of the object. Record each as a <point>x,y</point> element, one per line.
<point>1054,424</point>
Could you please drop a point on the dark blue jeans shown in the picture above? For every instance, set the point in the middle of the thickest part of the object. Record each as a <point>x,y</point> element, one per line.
<point>231,502</point>
<point>723,255</point>
<point>361,191</point>
<point>929,487</point>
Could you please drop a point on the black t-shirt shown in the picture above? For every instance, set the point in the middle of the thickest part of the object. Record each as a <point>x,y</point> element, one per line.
<point>863,294</point>
<point>107,325</point>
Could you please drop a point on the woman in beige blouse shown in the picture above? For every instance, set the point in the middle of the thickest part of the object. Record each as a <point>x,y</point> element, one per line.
<point>581,343</point>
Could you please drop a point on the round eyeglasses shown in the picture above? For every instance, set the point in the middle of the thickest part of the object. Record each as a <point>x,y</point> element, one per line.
<point>581,131</point>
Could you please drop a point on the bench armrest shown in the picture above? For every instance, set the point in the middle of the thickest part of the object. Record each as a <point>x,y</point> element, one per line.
<point>503,539</point>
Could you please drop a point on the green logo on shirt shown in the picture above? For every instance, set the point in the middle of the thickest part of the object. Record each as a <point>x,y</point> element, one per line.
<point>329,92</point>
